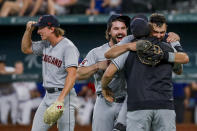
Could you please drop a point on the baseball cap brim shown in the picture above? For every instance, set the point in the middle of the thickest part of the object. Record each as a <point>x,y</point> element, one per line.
<point>37,25</point>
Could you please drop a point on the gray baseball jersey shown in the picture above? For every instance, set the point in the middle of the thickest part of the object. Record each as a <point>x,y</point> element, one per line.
<point>120,60</point>
<point>109,111</point>
<point>117,84</point>
<point>55,60</point>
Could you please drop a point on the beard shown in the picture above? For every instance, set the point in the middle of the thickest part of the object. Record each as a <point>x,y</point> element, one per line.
<point>114,40</point>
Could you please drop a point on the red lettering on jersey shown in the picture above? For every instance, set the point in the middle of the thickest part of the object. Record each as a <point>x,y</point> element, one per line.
<point>84,61</point>
<point>56,61</point>
<point>48,57</point>
<point>52,60</point>
<point>59,107</point>
<point>45,58</point>
<point>59,63</point>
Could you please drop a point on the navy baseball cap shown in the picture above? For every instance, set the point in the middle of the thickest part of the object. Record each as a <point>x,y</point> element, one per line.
<point>47,20</point>
<point>139,26</point>
<point>141,16</point>
<point>119,16</point>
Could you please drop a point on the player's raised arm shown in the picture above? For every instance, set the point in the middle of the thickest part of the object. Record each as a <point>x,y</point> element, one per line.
<point>26,44</point>
<point>117,50</point>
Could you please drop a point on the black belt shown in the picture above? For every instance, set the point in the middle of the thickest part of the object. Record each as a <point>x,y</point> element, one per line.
<point>52,90</point>
<point>116,100</point>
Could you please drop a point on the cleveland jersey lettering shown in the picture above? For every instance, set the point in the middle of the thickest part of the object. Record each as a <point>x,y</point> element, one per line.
<point>52,60</point>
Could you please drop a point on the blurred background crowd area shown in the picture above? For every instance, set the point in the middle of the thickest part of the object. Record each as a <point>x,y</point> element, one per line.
<point>94,7</point>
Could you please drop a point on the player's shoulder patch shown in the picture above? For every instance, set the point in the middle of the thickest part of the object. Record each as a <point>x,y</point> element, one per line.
<point>83,63</point>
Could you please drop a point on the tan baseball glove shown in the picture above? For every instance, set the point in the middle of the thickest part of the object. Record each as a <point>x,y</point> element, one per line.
<point>53,113</point>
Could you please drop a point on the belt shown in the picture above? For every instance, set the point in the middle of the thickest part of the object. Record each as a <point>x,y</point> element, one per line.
<point>52,90</point>
<point>116,100</point>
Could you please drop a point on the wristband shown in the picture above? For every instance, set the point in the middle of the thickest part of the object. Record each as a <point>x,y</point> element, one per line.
<point>169,56</point>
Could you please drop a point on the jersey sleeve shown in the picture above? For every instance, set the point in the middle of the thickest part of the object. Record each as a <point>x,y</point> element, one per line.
<point>126,39</point>
<point>176,67</point>
<point>90,59</point>
<point>177,46</point>
<point>71,57</point>
<point>120,60</point>
<point>37,47</point>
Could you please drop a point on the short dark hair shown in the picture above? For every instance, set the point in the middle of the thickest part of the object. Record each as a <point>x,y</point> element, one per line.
<point>158,19</point>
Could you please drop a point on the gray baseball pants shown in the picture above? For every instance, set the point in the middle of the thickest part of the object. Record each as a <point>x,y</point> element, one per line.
<point>67,120</point>
<point>154,120</point>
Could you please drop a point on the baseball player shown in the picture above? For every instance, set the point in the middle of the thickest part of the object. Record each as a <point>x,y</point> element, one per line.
<point>105,113</point>
<point>148,104</point>
<point>170,37</point>
<point>123,47</point>
<point>59,63</point>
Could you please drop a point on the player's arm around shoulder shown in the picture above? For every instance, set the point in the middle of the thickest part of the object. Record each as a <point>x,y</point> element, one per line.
<point>172,37</point>
<point>180,56</point>
<point>117,50</point>
<point>122,47</point>
<point>174,40</point>
<point>90,65</point>
<point>26,44</point>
